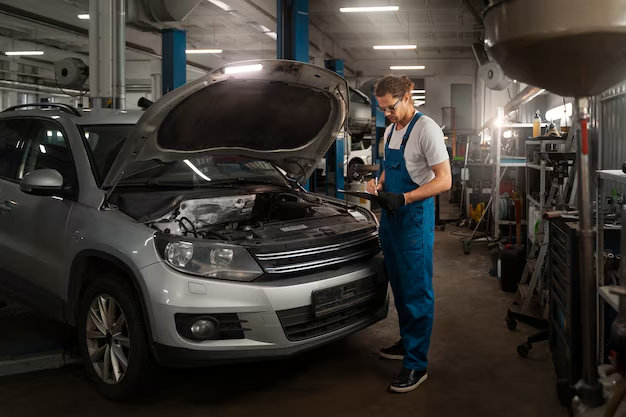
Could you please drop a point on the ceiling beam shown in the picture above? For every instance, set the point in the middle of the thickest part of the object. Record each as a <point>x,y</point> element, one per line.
<point>426,43</point>
<point>366,28</point>
<point>83,32</point>
<point>474,12</point>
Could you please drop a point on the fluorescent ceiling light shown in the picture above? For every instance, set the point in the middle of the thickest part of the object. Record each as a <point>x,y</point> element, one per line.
<point>418,91</point>
<point>83,16</point>
<point>203,51</point>
<point>243,68</point>
<point>395,46</point>
<point>221,5</point>
<point>265,30</point>
<point>368,9</point>
<point>418,103</point>
<point>42,149</point>
<point>15,53</point>
<point>407,67</point>
<point>196,170</point>
<point>419,97</point>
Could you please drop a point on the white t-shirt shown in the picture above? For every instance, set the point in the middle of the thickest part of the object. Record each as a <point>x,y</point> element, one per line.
<point>425,148</point>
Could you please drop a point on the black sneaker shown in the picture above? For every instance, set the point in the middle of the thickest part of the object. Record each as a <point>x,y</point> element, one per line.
<point>408,380</point>
<point>395,352</point>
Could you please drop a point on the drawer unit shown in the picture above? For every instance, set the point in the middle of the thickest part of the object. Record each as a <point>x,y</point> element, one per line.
<point>565,333</point>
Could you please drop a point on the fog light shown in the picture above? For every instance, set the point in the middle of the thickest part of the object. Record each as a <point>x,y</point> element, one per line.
<point>204,329</point>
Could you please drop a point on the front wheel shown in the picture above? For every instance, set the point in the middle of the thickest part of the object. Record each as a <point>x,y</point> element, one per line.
<point>353,174</point>
<point>112,337</point>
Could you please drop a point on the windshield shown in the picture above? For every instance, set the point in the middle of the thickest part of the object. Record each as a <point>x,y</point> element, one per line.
<point>201,171</point>
<point>105,141</point>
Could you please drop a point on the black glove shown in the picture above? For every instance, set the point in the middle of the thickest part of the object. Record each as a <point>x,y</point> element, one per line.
<point>391,201</point>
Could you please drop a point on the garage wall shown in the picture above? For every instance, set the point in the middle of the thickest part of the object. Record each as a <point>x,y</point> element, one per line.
<point>613,127</point>
<point>439,94</point>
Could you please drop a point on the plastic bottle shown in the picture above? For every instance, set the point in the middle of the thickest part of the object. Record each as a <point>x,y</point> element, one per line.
<point>537,125</point>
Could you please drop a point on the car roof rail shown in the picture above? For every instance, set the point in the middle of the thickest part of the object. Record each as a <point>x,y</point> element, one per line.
<point>63,107</point>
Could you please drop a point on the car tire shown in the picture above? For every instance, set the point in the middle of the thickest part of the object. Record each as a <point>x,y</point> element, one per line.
<point>112,342</point>
<point>353,174</point>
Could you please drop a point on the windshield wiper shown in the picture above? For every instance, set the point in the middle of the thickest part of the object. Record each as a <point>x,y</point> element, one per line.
<point>244,181</point>
<point>141,171</point>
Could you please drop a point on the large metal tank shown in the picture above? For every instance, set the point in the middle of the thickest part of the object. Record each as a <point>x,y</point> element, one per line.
<point>573,48</point>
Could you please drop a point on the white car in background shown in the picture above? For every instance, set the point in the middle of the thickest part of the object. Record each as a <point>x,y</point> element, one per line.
<point>360,154</point>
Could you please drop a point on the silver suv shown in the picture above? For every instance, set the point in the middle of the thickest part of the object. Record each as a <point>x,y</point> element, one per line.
<point>180,235</point>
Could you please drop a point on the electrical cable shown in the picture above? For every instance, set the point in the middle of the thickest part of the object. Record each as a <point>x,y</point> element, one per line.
<point>193,227</point>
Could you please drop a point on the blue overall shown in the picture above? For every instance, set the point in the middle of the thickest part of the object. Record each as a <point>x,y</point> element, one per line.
<point>407,239</point>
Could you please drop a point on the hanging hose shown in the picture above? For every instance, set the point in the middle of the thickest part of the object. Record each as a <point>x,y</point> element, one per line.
<point>616,399</point>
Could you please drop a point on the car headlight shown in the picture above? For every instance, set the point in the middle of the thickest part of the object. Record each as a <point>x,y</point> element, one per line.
<point>361,214</point>
<point>208,259</point>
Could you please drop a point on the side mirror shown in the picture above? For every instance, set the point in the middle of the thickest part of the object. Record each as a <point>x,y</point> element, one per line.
<point>44,182</point>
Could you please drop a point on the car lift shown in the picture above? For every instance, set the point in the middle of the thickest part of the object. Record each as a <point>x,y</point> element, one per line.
<point>335,155</point>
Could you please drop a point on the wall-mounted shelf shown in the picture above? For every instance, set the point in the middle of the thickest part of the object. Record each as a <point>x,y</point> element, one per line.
<point>612,175</point>
<point>512,222</point>
<point>521,125</point>
<point>538,167</point>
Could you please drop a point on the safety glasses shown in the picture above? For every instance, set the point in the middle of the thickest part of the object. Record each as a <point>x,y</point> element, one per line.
<point>391,109</point>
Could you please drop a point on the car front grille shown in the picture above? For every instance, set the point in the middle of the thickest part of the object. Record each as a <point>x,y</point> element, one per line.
<point>301,323</point>
<point>319,257</point>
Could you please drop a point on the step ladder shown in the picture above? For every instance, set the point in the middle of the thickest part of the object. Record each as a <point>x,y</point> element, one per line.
<point>531,281</point>
<point>536,259</point>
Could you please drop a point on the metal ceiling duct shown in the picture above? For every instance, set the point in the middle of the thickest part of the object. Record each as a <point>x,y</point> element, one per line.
<point>571,48</point>
<point>161,11</point>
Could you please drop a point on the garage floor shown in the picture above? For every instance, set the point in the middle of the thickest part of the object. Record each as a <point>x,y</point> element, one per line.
<point>474,371</point>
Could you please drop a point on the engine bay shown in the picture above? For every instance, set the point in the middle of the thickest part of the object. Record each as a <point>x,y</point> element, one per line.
<point>277,216</point>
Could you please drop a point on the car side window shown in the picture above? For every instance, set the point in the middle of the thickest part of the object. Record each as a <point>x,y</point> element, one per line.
<point>47,148</point>
<point>13,134</point>
<point>358,98</point>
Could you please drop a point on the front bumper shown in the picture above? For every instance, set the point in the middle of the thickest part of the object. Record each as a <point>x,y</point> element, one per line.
<point>259,305</point>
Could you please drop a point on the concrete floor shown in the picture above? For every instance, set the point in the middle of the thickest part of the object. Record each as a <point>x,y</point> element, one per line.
<point>474,368</point>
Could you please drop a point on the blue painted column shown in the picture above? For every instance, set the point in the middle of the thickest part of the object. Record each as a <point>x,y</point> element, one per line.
<point>292,30</point>
<point>379,131</point>
<point>335,65</point>
<point>335,160</point>
<point>174,61</point>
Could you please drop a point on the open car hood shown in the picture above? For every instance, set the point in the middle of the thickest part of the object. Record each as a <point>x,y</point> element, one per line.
<point>285,112</point>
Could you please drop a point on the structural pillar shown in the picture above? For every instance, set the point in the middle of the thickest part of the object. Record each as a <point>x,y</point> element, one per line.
<point>174,61</point>
<point>292,30</point>
<point>380,126</point>
<point>107,49</point>
<point>156,87</point>
<point>335,157</point>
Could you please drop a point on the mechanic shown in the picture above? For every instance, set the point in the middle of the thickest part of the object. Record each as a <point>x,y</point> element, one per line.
<point>416,168</point>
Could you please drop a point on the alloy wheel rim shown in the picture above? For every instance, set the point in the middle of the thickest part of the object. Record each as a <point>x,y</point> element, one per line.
<point>108,340</point>
<point>356,176</point>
